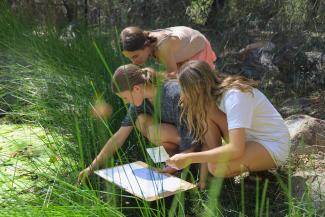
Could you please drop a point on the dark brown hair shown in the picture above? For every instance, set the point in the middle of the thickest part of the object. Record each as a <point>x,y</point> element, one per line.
<point>134,38</point>
<point>127,76</point>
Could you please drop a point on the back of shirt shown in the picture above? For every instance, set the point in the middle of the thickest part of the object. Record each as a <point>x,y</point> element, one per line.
<point>192,42</point>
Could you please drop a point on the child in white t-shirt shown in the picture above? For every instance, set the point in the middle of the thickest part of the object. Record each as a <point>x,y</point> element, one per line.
<point>258,138</point>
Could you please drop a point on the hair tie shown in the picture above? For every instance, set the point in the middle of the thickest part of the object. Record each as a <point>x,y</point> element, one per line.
<point>145,74</point>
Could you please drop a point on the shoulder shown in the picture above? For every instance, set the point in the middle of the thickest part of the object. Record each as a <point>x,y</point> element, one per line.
<point>238,94</point>
<point>171,89</point>
<point>231,94</point>
<point>234,98</point>
<point>171,86</point>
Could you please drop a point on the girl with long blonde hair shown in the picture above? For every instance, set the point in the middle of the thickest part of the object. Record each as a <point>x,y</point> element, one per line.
<point>258,138</point>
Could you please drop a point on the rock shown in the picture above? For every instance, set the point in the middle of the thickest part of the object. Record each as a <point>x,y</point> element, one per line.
<point>317,60</point>
<point>307,133</point>
<point>316,67</point>
<point>312,105</point>
<point>265,60</point>
<point>310,183</point>
<point>253,61</point>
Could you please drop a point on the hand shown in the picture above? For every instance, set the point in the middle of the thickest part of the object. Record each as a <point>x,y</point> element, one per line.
<point>84,174</point>
<point>179,161</point>
<point>169,170</point>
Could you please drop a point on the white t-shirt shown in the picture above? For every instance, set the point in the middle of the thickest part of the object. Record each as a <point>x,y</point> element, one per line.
<point>255,113</point>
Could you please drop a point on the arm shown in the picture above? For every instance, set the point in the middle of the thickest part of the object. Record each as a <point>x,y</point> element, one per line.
<point>239,107</point>
<point>220,119</point>
<point>233,150</point>
<point>166,56</point>
<point>111,146</point>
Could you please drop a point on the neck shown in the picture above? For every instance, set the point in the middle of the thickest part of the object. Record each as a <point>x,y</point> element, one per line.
<point>211,105</point>
<point>152,50</point>
<point>150,92</point>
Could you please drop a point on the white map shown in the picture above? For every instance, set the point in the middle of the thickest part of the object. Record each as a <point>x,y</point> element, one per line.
<point>158,154</point>
<point>140,180</point>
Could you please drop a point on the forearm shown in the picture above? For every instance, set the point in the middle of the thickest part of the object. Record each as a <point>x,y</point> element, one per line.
<point>108,151</point>
<point>111,146</point>
<point>220,154</point>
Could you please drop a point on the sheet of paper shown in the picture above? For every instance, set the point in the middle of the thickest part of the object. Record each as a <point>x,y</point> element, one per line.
<point>140,180</point>
<point>158,154</point>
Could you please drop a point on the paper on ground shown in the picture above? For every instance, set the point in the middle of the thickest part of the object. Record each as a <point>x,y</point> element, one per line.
<point>158,154</point>
<point>140,180</point>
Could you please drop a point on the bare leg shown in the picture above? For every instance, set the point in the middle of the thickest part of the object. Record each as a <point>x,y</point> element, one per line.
<point>166,135</point>
<point>255,158</point>
<point>159,134</point>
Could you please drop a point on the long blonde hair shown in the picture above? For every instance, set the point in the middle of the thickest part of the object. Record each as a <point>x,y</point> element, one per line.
<point>199,87</point>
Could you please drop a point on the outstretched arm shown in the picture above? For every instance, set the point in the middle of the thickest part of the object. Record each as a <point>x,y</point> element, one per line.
<point>111,146</point>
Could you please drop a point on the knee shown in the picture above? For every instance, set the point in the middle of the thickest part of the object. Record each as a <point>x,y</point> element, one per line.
<point>212,168</point>
<point>142,125</point>
<point>225,169</point>
<point>218,169</point>
<point>152,134</point>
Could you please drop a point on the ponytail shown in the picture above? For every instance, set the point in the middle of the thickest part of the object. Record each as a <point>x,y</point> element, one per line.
<point>134,38</point>
<point>127,76</point>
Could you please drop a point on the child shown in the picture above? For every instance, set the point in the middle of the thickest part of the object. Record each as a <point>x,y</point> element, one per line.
<point>148,98</point>
<point>258,137</point>
<point>171,46</point>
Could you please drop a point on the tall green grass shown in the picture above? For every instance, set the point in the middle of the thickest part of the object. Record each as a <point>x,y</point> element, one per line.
<point>49,85</point>
<point>47,82</point>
